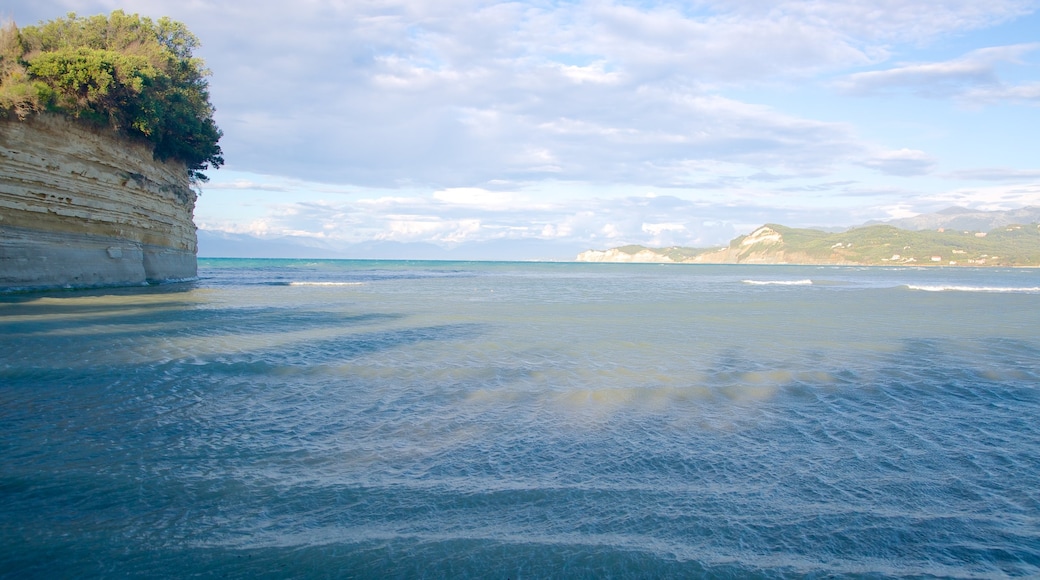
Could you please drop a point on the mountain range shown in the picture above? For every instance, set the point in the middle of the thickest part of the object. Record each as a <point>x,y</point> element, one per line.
<point>961,218</point>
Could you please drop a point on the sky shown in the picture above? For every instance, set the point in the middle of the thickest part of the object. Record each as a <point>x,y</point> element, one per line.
<point>588,124</point>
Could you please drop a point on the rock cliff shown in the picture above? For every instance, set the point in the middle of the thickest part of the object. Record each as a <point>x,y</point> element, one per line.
<point>620,255</point>
<point>84,207</point>
<point>762,246</point>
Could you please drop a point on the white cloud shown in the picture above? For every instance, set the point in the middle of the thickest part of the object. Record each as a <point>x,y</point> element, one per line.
<point>890,20</point>
<point>898,211</point>
<point>458,94</point>
<point>593,73</point>
<point>410,229</point>
<point>1026,93</point>
<point>477,197</point>
<point>666,234</point>
<point>464,230</point>
<point>997,197</point>
<point>655,220</point>
<point>261,227</point>
<point>610,231</point>
<point>902,162</point>
<point>245,184</point>
<point>997,174</point>
<point>972,76</point>
<point>658,229</point>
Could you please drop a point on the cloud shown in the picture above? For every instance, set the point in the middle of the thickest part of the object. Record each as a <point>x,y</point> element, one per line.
<point>902,162</point>
<point>463,93</point>
<point>996,174</point>
<point>898,211</point>
<point>889,20</point>
<point>480,198</point>
<point>658,220</point>
<point>245,185</point>
<point>666,234</point>
<point>827,186</point>
<point>259,228</point>
<point>442,219</point>
<point>429,228</point>
<point>658,229</point>
<point>1026,93</point>
<point>972,76</point>
<point>996,197</point>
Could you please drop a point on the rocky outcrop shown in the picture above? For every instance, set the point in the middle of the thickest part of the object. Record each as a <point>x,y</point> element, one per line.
<point>758,247</point>
<point>619,255</point>
<point>84,207</point>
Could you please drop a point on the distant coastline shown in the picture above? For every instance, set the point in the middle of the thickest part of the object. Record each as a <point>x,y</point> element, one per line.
<point>1014,245</point>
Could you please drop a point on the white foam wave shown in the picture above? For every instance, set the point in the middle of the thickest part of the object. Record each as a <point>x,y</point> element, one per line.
<point>326,283</point>
<point>995,289</point>
<point>778,282</point>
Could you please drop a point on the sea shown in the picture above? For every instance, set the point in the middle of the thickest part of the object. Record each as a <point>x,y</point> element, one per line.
<point>397,419</point>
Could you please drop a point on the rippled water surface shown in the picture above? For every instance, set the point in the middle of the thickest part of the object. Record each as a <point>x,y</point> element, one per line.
<point>284,418</point>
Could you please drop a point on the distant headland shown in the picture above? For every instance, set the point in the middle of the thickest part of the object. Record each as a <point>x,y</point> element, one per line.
<point>105,128</point>
<point>1000,241</point>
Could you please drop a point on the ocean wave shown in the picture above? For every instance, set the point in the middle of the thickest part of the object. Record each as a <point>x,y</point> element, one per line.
<point>778,282</point>
<point>987,289</point>
<point>326,284</point>
<point>304,283</point>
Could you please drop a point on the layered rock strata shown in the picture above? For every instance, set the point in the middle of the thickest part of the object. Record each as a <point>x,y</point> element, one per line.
<point>84,207</point>
<point>616,255</point>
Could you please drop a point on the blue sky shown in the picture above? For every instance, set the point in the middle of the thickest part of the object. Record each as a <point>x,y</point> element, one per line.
<point>593,124</point>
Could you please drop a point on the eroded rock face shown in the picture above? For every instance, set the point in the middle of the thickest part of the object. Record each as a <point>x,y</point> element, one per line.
<point>85,207</point>
<point>616,255</point>
<point>763,235</point>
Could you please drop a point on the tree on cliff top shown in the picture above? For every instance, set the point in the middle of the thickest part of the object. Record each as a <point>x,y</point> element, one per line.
<point>127,72</point>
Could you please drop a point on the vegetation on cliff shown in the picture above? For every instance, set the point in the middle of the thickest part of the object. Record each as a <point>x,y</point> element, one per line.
<point>123,71</point>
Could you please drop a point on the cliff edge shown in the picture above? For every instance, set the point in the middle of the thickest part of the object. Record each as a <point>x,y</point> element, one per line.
<point>85,207</point>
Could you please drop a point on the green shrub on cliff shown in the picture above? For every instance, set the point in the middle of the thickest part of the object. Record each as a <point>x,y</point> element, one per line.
<point>124,71</point>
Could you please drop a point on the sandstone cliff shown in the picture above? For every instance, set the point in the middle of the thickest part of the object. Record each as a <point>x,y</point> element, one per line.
<point>82,207</point>
<point>620,255</point>
<point>762,246</point>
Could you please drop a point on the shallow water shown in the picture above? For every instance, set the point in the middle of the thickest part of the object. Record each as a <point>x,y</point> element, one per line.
<point>427,419</point>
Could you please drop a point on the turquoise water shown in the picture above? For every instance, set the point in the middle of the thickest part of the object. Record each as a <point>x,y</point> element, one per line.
<point>293,418</point>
